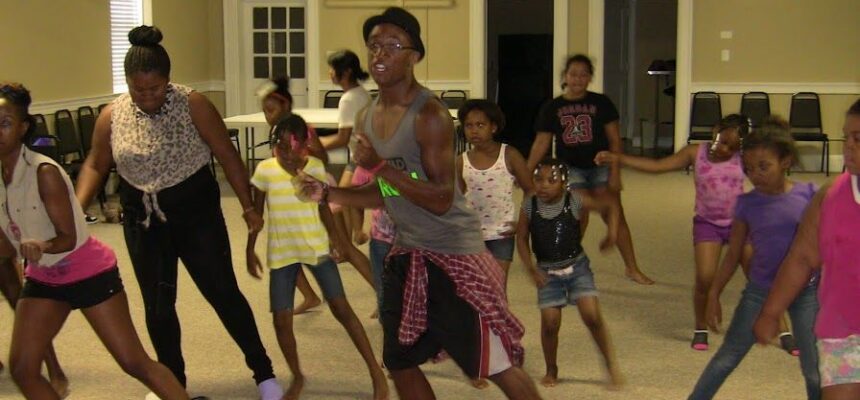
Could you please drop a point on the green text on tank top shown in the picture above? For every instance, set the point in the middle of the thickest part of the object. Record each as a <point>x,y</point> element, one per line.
<point>458,231</point>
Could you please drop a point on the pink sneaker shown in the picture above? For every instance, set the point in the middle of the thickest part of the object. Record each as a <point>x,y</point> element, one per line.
<point>700,340</point>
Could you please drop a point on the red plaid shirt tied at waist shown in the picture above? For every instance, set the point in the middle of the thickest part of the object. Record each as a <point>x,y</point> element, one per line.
<point>477,279</point>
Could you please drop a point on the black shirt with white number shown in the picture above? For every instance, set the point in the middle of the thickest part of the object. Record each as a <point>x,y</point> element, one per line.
<point>579,127</point>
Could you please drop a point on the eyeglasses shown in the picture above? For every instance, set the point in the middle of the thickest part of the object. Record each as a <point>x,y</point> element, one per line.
<point>390,48</point>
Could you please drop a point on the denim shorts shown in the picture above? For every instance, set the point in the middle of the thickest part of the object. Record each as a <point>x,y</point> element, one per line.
<point>560,291</point>
<point>282,287</point>
<point>501,249</point>
<point>587,178</point>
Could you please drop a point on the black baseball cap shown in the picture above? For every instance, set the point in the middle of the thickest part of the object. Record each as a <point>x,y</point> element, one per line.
<point>400,18</point>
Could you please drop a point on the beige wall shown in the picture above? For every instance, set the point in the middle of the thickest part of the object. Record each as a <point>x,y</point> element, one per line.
<point>444,31</point>
<point>577,28</point>
<point>777,41</point>
<point>58,49</point>
<point>186,26</point>
<point>780,41</point>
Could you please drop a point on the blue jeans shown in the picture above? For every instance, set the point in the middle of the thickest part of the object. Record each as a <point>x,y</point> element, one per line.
<point>739,339</point>
<point>378,250</point>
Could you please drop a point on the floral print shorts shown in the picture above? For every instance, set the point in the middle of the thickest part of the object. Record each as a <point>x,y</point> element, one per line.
<point>839,360</point>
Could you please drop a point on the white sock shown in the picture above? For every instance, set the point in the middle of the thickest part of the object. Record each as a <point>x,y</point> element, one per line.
<point>270,389</point>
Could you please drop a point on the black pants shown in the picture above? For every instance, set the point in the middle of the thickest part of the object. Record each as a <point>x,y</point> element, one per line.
<point>195,232</point>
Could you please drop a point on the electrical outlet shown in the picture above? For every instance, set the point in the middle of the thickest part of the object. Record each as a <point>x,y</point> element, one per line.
<point>726,34</point>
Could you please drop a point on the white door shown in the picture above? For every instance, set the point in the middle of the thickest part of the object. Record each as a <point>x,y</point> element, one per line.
<point>274,44</point>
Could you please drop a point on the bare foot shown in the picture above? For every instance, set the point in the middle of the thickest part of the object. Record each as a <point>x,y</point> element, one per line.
<point>479,383</point>
<point>616,380</point>
<point>374,314</point>
<point>637,276</point>
<point>380,385</point>
<point>295,388</point>
<point>360,238</point>
<point>61,386</point>
<point>307,305</point>
<point>551,377</point>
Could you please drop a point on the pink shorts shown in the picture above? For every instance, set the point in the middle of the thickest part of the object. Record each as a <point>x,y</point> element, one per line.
<point>705,231</point>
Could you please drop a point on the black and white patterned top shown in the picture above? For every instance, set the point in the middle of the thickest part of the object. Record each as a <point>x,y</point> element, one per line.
<point>156,151</point>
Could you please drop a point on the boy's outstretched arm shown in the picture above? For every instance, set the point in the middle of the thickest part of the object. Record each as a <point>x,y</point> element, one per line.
<point>802,259</point>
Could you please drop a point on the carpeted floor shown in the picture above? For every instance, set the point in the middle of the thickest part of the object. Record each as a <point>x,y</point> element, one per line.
<point>650,326</point>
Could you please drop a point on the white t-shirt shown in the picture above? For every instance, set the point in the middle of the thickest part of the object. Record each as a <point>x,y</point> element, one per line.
<point>352,101</point>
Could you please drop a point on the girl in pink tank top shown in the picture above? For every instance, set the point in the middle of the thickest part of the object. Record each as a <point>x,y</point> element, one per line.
<point>828,239</point>
<point>719,179</point>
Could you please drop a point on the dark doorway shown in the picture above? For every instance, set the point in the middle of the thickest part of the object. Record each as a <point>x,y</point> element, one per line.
<point>519,64</point>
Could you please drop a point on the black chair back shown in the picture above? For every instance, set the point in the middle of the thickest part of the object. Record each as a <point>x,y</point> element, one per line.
<point>454,98</point>
<point>332,98</point>
<point>101,107</point>
<point>805,114</point>
<point>41,125</point>
<point>706,113</point>
<point>86,125</point>
<point>67,133</point>
<point>756,106</point>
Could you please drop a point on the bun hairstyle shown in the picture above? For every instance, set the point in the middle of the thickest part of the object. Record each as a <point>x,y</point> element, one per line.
<point>775,134</point>
<point>345,60</point>
<point>19,97</point>
<point>146,53</point>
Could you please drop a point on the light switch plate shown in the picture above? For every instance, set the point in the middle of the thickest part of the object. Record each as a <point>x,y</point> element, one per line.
<point>726,34</point>
<point>725,55</point>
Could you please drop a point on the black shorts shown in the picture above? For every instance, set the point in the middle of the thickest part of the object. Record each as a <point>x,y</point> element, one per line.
<point>452,325</point>
<point>82,294</point>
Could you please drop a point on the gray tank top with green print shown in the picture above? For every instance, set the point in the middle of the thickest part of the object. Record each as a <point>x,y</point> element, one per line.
<point>458,231</point>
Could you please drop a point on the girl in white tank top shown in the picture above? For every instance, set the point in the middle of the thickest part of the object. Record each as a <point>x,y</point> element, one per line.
<point>488,171</point>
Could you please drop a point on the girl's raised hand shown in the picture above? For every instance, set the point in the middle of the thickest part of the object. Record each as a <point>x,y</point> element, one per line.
<point>605,157</point>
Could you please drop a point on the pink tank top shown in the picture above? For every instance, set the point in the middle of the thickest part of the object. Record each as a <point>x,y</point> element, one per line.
<point>838,244</point>
<point>718,186</point>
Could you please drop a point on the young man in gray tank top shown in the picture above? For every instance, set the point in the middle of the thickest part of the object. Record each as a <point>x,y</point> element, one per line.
<point>441,287</point>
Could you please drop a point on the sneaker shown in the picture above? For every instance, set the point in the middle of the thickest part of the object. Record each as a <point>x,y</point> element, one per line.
<point>91,219</point>
<point>700,340</point>
<point>787,342</point>
<point>270,389</point>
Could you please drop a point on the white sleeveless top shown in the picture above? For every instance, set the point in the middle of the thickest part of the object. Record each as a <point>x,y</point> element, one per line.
<point>155,152</point>
<point>22,212</point>
<point>490,193</point>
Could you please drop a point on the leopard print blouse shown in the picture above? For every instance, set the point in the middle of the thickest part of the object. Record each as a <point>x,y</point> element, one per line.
<point>154,152</point>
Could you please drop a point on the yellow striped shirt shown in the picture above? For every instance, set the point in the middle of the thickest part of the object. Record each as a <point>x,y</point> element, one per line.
<point>295,233</point>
